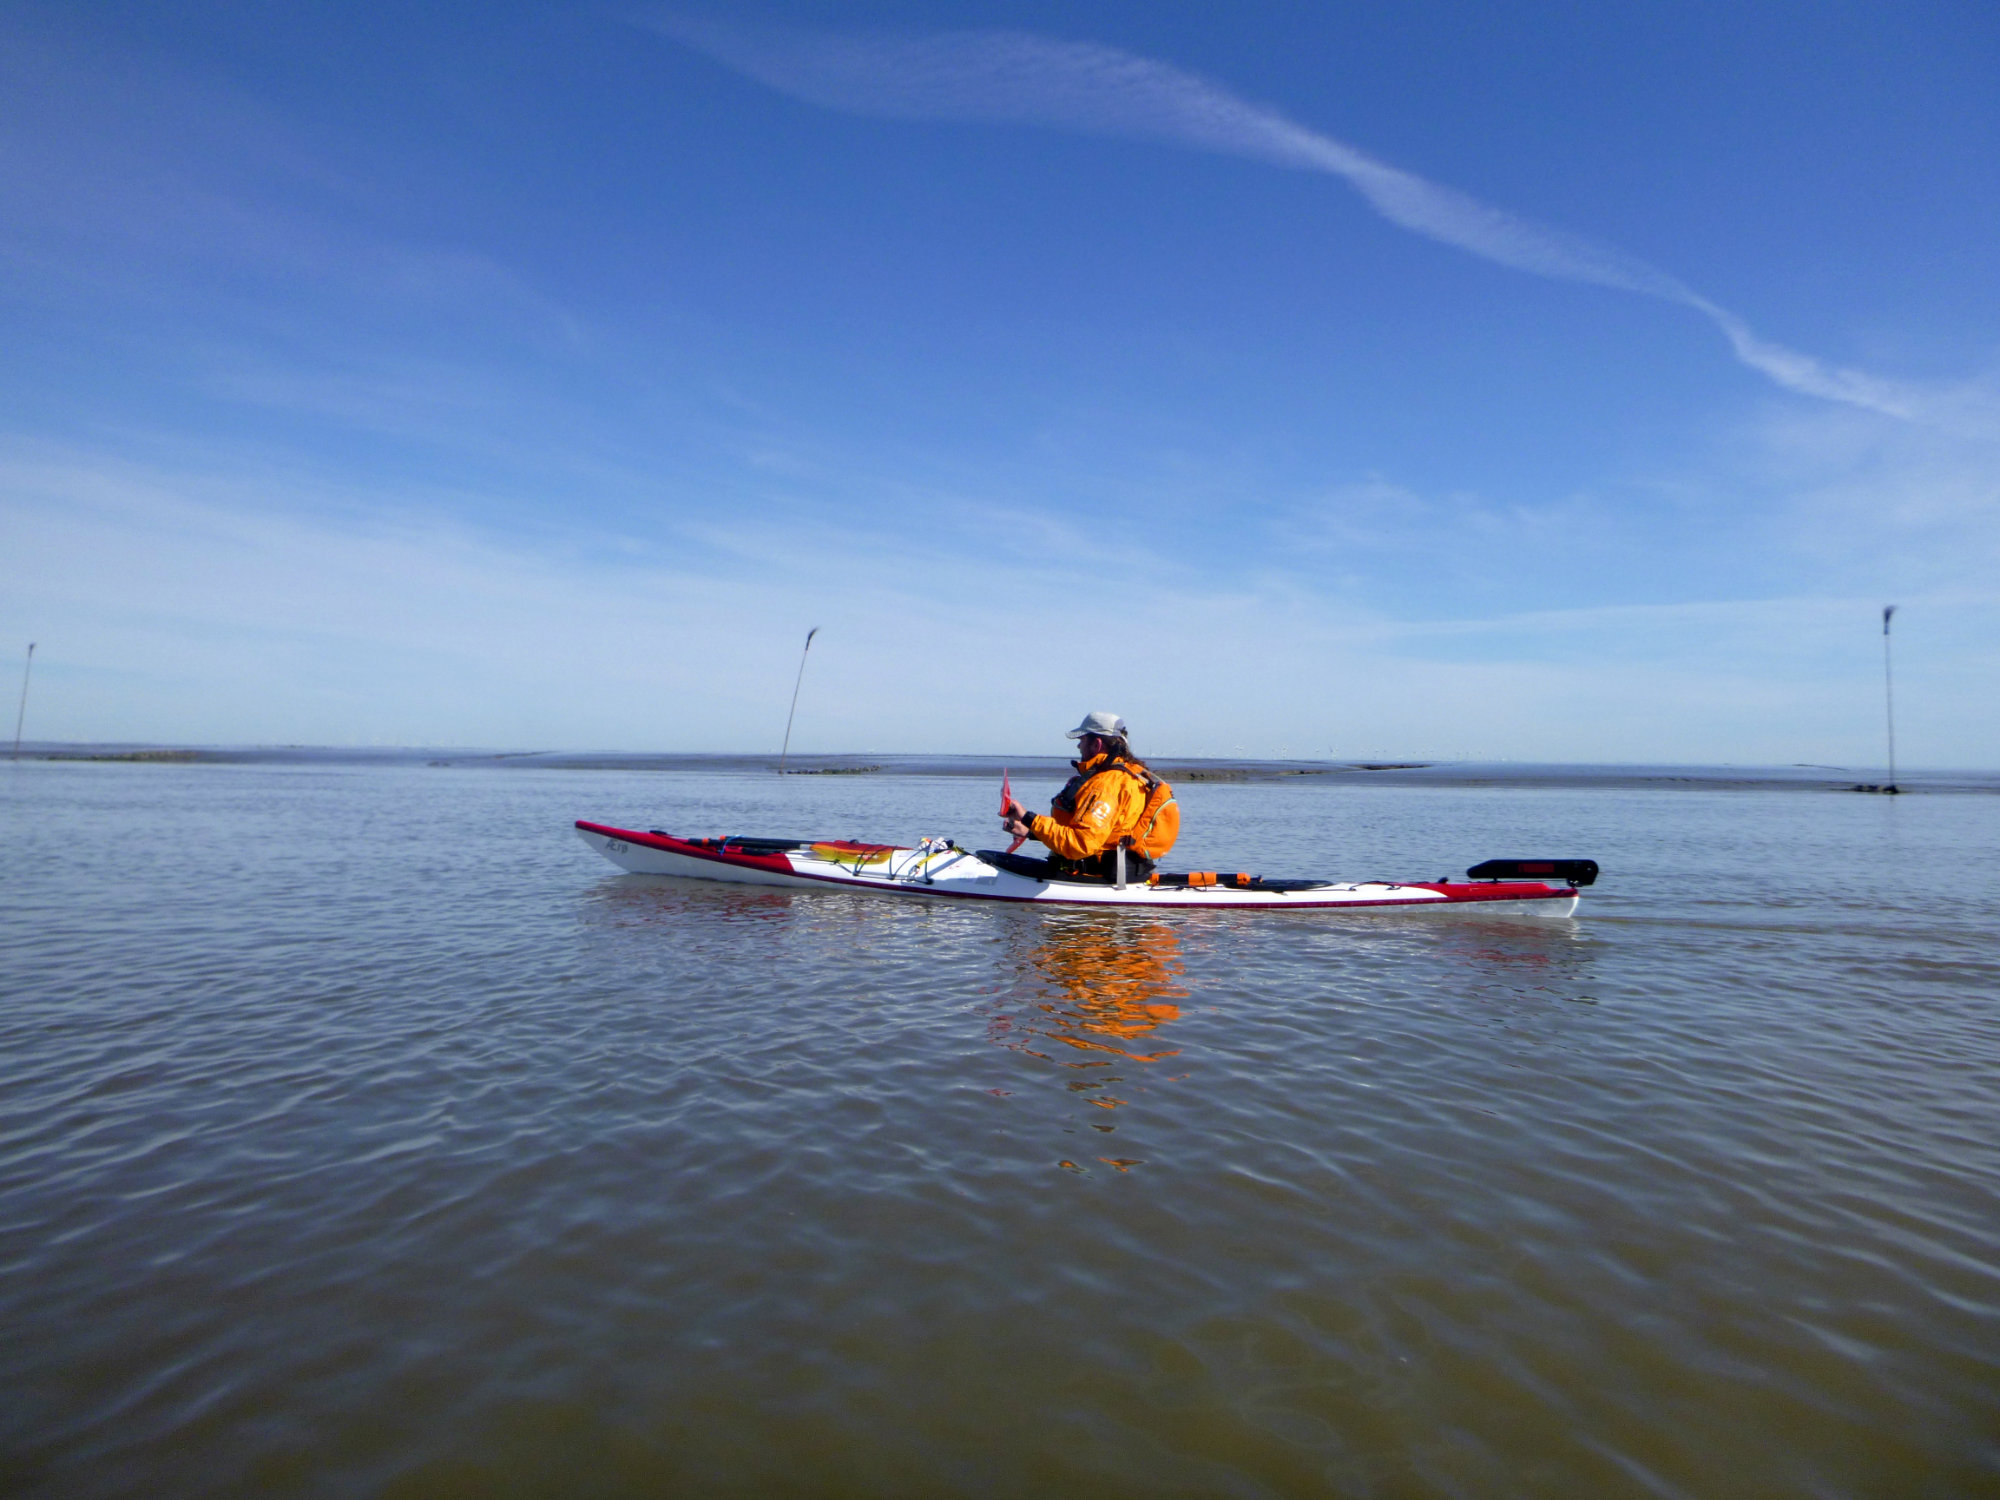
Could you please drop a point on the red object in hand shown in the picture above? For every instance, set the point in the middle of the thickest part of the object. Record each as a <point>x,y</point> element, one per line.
<point>1007,806</point>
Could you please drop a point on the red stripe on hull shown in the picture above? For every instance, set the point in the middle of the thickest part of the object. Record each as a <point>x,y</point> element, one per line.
<point>776,864</point>
<point>1490,890</point>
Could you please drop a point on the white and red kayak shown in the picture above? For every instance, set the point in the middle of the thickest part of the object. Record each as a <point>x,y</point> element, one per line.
<point>939,869</point>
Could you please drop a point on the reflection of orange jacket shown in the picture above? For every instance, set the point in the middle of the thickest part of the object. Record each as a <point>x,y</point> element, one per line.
<point>1108,807</point>
<point>1121,983</point>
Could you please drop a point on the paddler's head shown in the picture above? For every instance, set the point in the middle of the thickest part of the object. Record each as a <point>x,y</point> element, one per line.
<point>1100,733</point>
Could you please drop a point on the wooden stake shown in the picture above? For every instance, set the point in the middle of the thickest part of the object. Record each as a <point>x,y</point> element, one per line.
<point>795,700</point>
<point>1889,696</point>
<point>22,717</point>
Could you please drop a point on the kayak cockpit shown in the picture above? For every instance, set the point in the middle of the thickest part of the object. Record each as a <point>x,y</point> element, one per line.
<point>1186,880</point>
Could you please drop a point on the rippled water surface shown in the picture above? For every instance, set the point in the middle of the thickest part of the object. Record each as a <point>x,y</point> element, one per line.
<point>362,1133</point>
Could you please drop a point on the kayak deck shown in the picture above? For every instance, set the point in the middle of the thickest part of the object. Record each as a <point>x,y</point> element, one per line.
<point>936,868</point>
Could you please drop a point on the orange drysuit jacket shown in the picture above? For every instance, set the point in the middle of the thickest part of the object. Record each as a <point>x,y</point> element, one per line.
<point>1108,807</point>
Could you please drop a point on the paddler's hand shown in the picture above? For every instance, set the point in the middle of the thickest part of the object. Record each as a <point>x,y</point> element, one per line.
<point>1015,823</point>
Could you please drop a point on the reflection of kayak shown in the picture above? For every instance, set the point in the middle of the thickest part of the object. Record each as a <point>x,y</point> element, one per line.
<point>938,868</point>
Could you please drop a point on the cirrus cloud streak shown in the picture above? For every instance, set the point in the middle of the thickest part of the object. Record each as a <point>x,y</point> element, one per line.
<point>1017,77</point>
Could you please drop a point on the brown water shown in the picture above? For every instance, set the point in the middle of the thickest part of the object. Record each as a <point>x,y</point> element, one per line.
<point>361,1133</point>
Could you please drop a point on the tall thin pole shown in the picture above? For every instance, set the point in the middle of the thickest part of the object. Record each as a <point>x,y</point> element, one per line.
<point>22,717</point>
<point>795,700</point>
<point>1889,694</point>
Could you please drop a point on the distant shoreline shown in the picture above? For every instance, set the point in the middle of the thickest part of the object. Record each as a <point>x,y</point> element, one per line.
<point>1188,770</point>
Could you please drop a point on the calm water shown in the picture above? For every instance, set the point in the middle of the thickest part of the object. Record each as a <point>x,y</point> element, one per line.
<point>362,1133</point>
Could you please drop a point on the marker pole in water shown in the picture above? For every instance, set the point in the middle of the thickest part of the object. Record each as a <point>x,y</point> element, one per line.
<point>1889,695</point>
<point>795,700</point>
<point>22,717</point>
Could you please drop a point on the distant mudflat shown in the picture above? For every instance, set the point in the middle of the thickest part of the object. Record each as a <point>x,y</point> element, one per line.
<point>1408,773</point>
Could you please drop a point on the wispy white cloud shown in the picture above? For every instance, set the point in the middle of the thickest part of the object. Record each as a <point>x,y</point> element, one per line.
<point>211,604</point>
<point>1867,500</point>
<point>1011,76</point>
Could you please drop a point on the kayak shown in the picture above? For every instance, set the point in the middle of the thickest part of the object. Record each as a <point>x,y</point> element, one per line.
<point>938,869</point>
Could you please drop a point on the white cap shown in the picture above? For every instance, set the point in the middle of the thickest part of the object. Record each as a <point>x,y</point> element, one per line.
<point>1103,725</point>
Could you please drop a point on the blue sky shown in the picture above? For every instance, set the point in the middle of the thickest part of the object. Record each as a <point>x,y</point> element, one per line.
<point>1553,382</point>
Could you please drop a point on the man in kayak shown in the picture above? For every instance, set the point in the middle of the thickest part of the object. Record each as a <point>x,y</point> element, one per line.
<point>1112,799</point>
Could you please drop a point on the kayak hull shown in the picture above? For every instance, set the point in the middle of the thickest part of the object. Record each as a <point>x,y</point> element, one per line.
<point>936,871</point>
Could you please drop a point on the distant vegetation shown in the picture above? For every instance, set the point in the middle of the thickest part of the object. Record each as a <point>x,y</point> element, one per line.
<point>171,757</point>
<point>1260,773</point>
